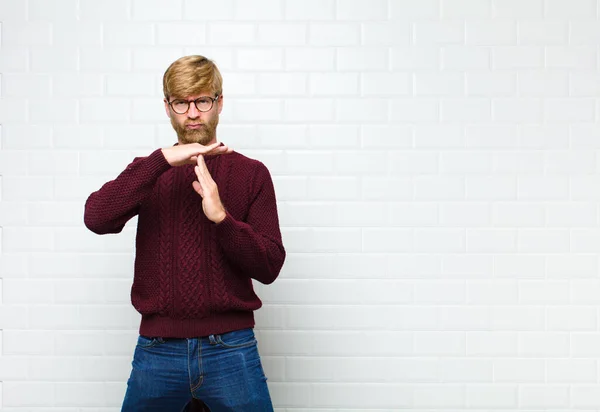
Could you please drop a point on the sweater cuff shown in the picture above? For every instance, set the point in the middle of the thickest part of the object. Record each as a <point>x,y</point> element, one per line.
<point>227,227</point>
<point>157,162</point>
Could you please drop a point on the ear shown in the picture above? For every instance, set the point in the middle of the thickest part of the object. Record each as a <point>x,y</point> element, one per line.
<point>167,108</point>
<point>220,103</point>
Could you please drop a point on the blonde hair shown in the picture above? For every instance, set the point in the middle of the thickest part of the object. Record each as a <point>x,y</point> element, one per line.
<point>190,75</point>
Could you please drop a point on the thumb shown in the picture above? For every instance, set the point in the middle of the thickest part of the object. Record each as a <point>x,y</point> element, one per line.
<point>198,188</point>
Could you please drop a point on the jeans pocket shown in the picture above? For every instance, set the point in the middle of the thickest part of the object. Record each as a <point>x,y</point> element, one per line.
<point>147,342</point>
<point>237,339</point>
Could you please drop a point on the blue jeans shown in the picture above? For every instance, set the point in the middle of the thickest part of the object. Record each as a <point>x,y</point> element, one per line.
<point>224,371</point>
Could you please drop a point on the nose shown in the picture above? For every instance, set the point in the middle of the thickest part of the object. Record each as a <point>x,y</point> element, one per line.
<point>193,112</point>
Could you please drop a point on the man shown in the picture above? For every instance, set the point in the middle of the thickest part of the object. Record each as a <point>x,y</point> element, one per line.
<point>207,225</point>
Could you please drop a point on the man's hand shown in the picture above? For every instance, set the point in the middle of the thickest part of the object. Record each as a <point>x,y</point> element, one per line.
<point>207,188</point>
<point>184,154</point>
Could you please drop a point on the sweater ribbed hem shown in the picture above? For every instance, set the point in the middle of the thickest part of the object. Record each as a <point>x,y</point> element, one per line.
<point>160,326</point>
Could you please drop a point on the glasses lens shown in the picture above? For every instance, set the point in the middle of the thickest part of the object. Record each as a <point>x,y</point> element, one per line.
<point>179,106</point>
<point>204,104</point>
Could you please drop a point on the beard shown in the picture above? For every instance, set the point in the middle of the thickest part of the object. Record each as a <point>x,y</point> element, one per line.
<point>204,135</point>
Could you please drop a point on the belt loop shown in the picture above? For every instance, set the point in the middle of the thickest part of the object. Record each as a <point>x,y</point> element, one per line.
<point>212,340</point>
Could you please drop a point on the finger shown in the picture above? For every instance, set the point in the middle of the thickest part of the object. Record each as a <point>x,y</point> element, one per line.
<point>201,177</point>
<point>198,172</point>
<point>202,165</point>
<point>209,148</point>
<point>198,188</point>
<point>223,149</point>
<point>206,176</point>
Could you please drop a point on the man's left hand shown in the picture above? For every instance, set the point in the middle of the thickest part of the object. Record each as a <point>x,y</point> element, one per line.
<point>207,188</point>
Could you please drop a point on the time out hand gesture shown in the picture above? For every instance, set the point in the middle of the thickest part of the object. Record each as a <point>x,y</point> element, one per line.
<point>184,154</point>
<point>207,188</point>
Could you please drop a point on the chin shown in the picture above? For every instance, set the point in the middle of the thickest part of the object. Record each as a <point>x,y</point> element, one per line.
<point>201,138</point>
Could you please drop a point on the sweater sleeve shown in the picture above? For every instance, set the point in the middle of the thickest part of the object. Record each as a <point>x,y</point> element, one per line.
<point>255,246</point>
<point>108,209</point>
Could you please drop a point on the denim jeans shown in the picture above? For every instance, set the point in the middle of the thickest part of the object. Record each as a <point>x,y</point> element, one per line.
<point>224,371</point>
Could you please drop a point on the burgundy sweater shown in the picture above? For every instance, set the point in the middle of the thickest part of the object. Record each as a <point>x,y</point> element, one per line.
<point>192,277</point>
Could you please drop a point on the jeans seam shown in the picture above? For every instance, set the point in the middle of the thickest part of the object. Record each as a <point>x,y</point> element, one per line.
<point>188,364</point>
<point>200,372</point>
<point>243,345</point>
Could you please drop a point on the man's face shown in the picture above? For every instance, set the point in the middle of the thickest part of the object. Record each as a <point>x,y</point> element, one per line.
<point>193,125</point>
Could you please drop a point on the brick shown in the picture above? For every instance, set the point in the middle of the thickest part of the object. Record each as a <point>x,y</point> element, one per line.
<point>518,9</point>
<point>416,110</point>
<point>496,292</point>
<point>543,33</point>
<point>438,33</point>
<point>282,34</point>
<point>309,59</point>
<point>465,58</point>
<point>582,57</point>
<point>152,10</point>
<point>334,84</point>
<point>110,10</point>
<point>309,110</point>
<point>334,136</point>
<point>519,371</point>
<point>491,240</point>
<point>56,58</point>
<point>546,344</point>
<point>437,396</point>
<point>518,57</point>
<point>334,34</point>
<point>362,59</point>
<point>229,34</point>
<point>412,214</point>
<point>471,110</point>
<point>258,10</point>
<point>407,10</point>
<point>77,33</point>
<point>544,396</point>
<point>440,293</point>
<point>577,9</point>
<point>387,240</point>
<point>386,34</point>
<point>411,163</point>
<point>107,59</point>
<point>492,396</point>
<point>571,318</point>
<point>373,110</point>
<point>466,9</point>
<point>439,84</point>
<point>490,84</point>
<point>359,10</point>
<point>310,10</point>
<point>21,34</point>
<point>178,34</point>
<point>130,34</point>
<point>260,59</point>
<point>485,33</point>
<point>205,9</point>
<point>519,214</point>
<point>282,84</point>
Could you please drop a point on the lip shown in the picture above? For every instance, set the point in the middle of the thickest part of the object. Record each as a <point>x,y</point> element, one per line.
<point>194,126</point>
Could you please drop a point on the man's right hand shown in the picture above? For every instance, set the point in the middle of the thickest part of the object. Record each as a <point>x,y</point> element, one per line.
<point>183,154</point>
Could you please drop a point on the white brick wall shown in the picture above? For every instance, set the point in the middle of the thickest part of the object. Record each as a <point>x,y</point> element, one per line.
<point>437,166</point>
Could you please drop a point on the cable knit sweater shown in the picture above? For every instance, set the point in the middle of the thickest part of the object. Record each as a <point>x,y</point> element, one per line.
<point>192,277</point>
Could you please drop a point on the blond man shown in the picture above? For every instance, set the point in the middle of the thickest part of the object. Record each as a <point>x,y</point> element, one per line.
<point>207,225</point>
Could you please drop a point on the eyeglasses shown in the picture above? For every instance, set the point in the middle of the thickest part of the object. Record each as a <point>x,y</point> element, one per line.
<point>203,104</point>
